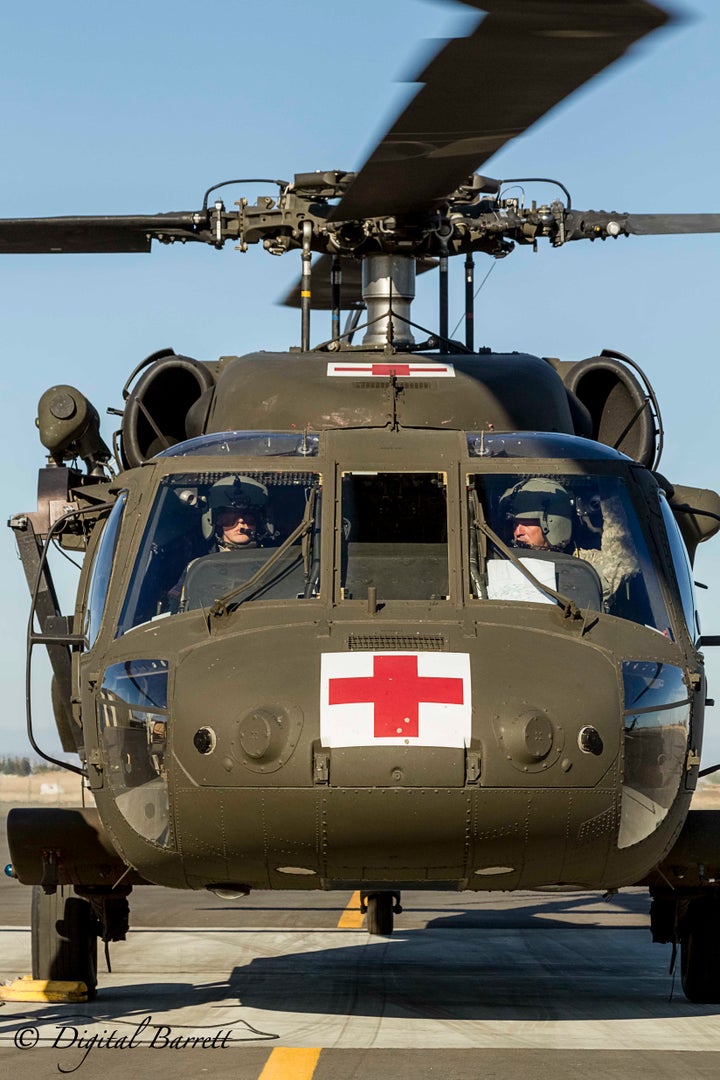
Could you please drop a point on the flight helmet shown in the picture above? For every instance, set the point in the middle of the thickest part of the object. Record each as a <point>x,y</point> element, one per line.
<point>544,501</point>
<point>235,493</point>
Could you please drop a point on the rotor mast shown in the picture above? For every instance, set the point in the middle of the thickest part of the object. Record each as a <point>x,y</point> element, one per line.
<point>388,289</point>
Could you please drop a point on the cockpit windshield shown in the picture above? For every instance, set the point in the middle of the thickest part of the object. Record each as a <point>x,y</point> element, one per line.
<point>237,536</point>
<point>578,535</point>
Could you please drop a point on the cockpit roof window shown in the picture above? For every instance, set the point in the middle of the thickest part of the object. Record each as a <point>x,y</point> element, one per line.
<point>247,444</point>
<point>539,444</point>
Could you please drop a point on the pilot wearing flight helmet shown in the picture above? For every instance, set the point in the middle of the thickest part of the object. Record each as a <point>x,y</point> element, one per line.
<point>236,515</point>
<point>235,519</point>
<point>544,516</point>
<point>541,513</point>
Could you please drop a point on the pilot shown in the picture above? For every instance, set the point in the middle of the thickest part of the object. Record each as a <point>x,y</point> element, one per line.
<point>235,519</point>
<point>541,512</point>
<point>236,515</point>
<point>545,517</point>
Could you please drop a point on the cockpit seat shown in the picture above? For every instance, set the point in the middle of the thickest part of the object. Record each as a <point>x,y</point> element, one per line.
<point>575,577</point>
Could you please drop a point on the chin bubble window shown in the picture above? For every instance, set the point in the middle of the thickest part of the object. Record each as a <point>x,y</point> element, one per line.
<point>657,719</point>
<point>133,724</point>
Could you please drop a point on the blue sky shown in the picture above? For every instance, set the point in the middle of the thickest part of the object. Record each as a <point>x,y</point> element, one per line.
<point>139,108</point>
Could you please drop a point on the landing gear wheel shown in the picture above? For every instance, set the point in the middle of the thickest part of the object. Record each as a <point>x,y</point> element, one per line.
<point>64,937</point>
<point>700,951</point>
<point>380,907</point>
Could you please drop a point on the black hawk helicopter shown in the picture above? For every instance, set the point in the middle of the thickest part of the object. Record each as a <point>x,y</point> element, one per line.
<point>389,612</point>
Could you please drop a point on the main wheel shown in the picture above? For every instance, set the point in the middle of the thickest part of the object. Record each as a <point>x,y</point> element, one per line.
<point>380,913</point>
<point>64,937</point>
<point>700,951</point>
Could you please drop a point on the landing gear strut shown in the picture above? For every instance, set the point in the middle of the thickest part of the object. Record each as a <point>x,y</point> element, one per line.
<point>700,949</point>
<point>380,908</point>
<point>64,937</point>
<point>691,918</point>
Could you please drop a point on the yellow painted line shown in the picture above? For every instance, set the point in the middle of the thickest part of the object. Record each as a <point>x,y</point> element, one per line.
<point>29,989</point>
<point>351,919</point>
<point>291,1063</point>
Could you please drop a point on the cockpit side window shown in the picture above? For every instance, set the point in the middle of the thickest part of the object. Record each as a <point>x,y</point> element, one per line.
<point>394,536</point>
<point>102,570</point>
<point>211,534</point>
<point>579,535</point>
<point>683,570</point>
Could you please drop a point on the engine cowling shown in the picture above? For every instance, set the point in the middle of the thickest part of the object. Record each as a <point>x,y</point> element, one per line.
<point>169,402</point>
<point>620,408</point>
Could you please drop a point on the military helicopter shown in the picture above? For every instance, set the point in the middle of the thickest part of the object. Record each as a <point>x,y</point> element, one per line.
<point>309,576</point>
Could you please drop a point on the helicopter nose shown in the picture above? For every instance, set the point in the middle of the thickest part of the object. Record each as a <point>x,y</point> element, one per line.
<point>547,709</point>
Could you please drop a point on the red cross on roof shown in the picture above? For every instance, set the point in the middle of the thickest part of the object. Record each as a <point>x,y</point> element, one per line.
<point>392,369</point>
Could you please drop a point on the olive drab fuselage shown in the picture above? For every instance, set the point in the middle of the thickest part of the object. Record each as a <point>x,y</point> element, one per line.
<point>387,693</point>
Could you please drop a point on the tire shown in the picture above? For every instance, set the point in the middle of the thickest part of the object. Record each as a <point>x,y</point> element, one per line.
<point>700,952</point>
<point>380,914</point>
<point>64,938</point>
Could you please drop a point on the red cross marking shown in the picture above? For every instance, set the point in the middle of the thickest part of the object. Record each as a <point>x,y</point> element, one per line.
<point>394,369</point>
<point>396,690</point>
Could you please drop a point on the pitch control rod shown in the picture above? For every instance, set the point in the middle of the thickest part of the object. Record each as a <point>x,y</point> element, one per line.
<point>335,287</point>
<point>306,285</point>
<point>469,302</point>
<point>443,320</point>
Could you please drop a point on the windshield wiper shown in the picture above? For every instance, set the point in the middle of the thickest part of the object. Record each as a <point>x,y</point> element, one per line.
<point>311,545</point>
<point>569,607</point>
<point>478,547</point>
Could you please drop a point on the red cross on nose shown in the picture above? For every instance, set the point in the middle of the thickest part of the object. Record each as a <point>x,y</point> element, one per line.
<point>396,690</point>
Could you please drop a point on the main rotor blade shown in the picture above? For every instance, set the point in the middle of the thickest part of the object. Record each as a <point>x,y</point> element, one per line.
<point>351,290</point>
<point>594,224</point>
<point>482,90</point>
<point>26,236</point>
<point>656,224</point>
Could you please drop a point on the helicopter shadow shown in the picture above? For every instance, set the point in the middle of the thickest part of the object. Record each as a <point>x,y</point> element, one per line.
<point>549,958</point>
<point>501,973</point>
<point>564,957</point>
<point>495,974</point>
<point>623,911</point>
